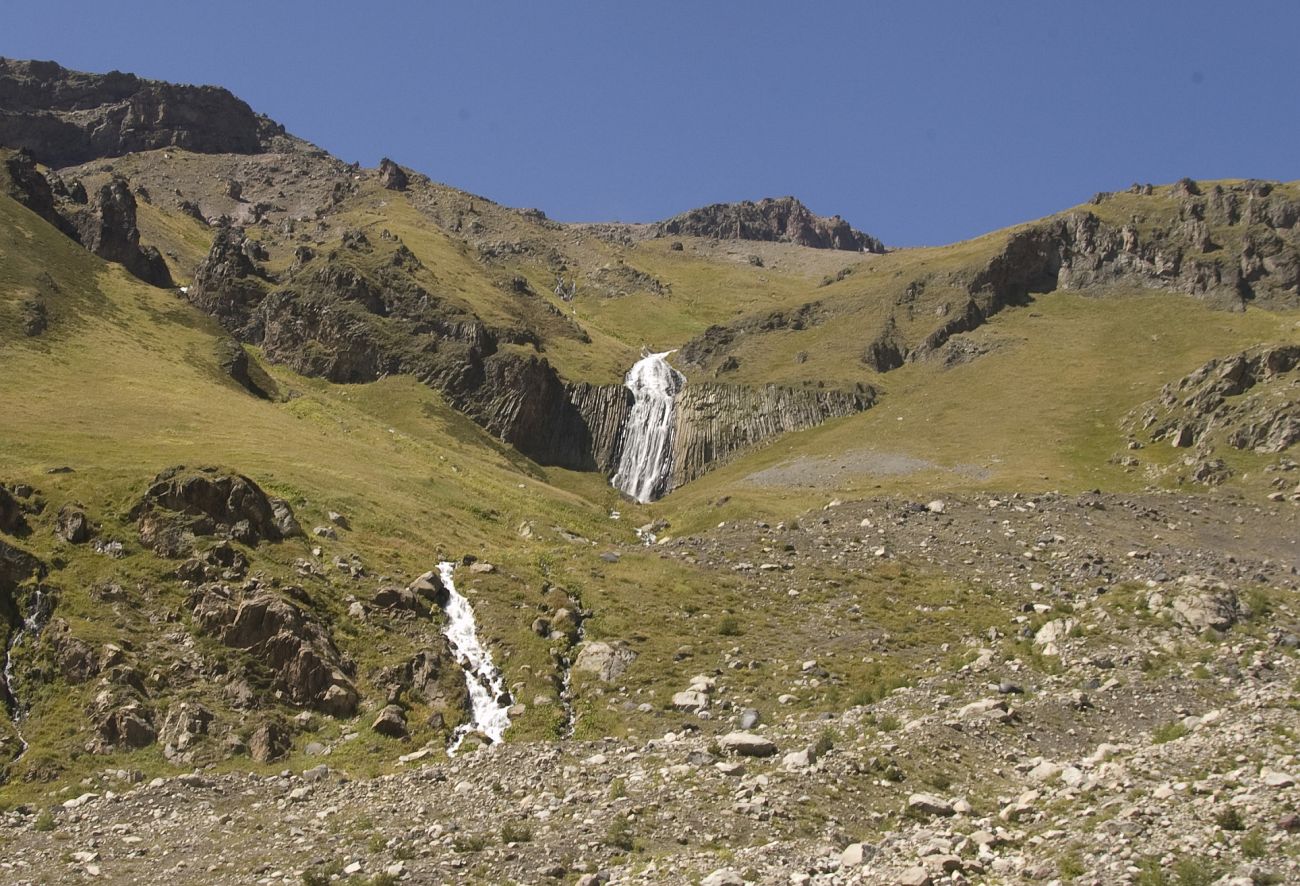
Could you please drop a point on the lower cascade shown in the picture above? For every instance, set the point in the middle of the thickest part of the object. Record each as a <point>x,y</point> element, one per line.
<point>647,453</point>
<point>489,701</point>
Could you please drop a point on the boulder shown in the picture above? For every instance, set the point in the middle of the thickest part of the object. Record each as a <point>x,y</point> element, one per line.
<point>185,723</point>
<point>691,700</point>
<point>391,722</point>
<point>119,720</point>
<point>72,525</point>
<point>747,744</point>
<point>1200,603</point>
<point>182,503</point>
<point>269,741</point>
<point>929,805</point>
<point>400,600</point>
<point>608,661</point>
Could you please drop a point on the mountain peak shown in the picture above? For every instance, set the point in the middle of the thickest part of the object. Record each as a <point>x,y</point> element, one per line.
<point>781,219</point>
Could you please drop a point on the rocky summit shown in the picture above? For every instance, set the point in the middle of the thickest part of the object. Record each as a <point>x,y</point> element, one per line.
<point>342,540</point>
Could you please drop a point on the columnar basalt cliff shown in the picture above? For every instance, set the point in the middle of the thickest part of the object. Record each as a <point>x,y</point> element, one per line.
<point>714,422</point>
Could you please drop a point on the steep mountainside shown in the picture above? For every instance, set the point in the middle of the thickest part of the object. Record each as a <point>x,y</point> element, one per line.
<point>280,430</point>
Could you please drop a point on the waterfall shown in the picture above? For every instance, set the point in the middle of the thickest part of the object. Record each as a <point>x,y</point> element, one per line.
<point>647,451</point>
<point>489,701</point>
<point>38,612</point>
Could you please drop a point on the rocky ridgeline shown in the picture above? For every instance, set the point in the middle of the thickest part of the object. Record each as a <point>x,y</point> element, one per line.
<point>782,219</point>
<point>68,117</point>
<point>1123,720</point>
<point>1237,244</point>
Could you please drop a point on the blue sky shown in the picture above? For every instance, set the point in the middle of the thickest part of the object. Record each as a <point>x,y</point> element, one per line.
<point>920,122</point>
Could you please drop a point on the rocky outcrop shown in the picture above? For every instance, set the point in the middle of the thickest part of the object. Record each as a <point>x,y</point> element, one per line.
<point>717,340</point>
<point>392,176</point>
<point>108,228</point>
<point>1249,400</point>
<point>182,503</point>
<point>25,183</point>
<point>68,117</point>
<point>306,667</point>
<point>782,219</point>
<point>714,422</point>
<point>228,284</point>
<point>12,519</point>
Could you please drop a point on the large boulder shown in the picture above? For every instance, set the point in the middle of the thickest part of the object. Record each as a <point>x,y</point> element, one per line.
<point>182,503</point>
<point>747,744</point>
<point>72,525</point>
<point>186,722</point>
<point>608,661</point>
<point>119,720</point>
<point>1201,603</point>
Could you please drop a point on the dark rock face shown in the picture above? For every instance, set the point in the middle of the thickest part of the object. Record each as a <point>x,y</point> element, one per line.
<point>1249,400</point>
<point>108,229</point>
<point>182,503</point>
<point>67,117</point>
<point>782,219</point>
<point>392,176</point>
<point>306,665</point>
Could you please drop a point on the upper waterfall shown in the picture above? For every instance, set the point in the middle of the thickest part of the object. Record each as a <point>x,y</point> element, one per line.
<point>646,460</point>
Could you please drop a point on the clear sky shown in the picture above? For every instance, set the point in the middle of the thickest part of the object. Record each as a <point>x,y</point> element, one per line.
<point>919,122</point>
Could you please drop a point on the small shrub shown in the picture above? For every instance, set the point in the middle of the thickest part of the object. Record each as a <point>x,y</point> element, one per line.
<point>825,742</point>
<point>1151,873</point>
<point>890,723</point>
<point>469,843</point>
<point>728,626</point>
<point>1071,866</point>
<point>1194,871</point>
<point>1253,844</point>
<point>618,787</point>
<point>1168,732</point>
<point>1229,819</point>
<point>44,822</point>
<point>516,832</point>
<point>620,835</point>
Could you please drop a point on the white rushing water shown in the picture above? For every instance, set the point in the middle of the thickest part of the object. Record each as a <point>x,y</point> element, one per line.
<point>647,456</point>
<point>489,702</point>
<point>31,625</point>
